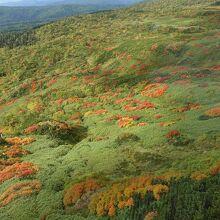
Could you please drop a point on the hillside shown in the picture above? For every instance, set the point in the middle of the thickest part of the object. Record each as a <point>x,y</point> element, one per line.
<point>113,115</point>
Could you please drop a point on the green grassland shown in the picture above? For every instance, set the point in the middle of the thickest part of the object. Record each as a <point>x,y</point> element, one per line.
<point>90,72</point>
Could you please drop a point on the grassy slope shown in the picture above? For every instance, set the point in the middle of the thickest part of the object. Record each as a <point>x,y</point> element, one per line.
<point>185,50</point>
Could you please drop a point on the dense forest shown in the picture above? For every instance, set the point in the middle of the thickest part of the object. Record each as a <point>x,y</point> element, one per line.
<point>15,39</point>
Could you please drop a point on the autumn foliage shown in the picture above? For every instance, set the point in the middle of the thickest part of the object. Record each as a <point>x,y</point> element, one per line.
<point>138,105</point>
<point>214,112</point>
<point>215,170</point>
<point>125,122</point>
<point>19,190</point>
<point>120,195</point>
<point>19,141</point>
<point>76,191</point>
<point>172,134</point>
<point>150,216</point>
<point>188,107</point>
<point>20,169</point>
<point>16,151</point>
<point>31,129</point>
<point>155,90</point>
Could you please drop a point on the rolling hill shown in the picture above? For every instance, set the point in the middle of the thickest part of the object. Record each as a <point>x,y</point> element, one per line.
<point>113,115</point>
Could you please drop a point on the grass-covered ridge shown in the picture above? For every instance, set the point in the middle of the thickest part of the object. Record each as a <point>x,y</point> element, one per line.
<point>113,104</point>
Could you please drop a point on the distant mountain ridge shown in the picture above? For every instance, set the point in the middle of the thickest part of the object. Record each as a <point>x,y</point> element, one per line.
<point>25,15</point>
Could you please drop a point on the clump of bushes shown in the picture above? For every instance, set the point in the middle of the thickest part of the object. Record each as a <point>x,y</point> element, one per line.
<point>126,137</point>
<point>60,131</point>
<point>175,138</point>
<point>211,113</point>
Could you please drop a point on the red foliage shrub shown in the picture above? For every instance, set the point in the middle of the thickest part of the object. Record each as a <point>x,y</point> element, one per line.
<point>109,49</point>
<point>88,78</point>
<point>107,72</point>
<point>74,78</point>
<point>155,90</point>
<point>142,124</point>
<point>89,104</point>
<point>158,116</point>
<point>201,75</point>
<point>198,45</point>
<point>31,129</point>
<point>8,162</point>
<point>215,170</point>
<point>215,68</point>
<point>154,47</point>
<point>182,68</point>
<point>161,79</point>
<point>126,99</point>
<point>51,82</point>
<point>172,134</point>
<point>60,101</point>
<point>16,151</point>
<point>101,112</point>
<point>33,87</point>
<point>17,170</point>
<point>96,69</point>
<point>139,105</point>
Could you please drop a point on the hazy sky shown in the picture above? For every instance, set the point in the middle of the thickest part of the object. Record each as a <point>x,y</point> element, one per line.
<point>4,1</point>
